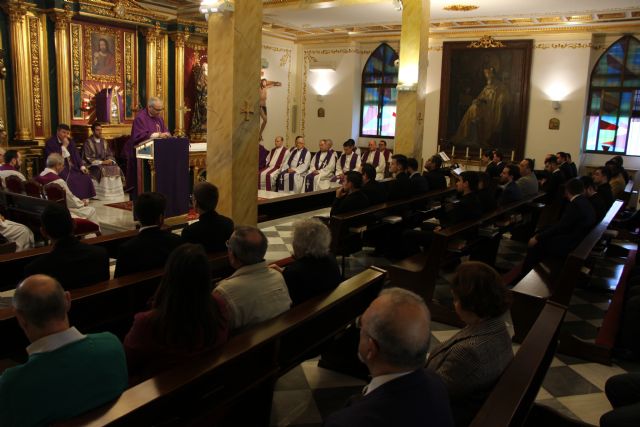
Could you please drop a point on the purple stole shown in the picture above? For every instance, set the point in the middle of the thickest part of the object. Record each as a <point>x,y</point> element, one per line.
<point>7,167</point>
<point>46,179</point>
<point>308,181</point>
<point>275,168</point>
<point>303,155</point>
<point>343,162</point>
<point>376,158</point>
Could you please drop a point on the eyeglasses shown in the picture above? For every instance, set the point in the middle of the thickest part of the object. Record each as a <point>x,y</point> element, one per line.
<point>157,109</point>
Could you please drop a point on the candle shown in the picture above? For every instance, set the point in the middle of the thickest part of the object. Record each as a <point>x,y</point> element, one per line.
<point>467,153</point>
<point>438,148</point>
<point>513,153</point>
<point>453,151</point>
<point>481,154</point>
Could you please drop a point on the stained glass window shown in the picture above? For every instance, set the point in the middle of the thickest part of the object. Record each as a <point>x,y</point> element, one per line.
<point>379,94</point>
<point>613,112</point>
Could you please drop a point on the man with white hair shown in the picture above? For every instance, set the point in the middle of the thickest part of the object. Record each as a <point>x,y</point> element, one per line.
<point>296,166</point>
<point>148,124</point>
<point>275,159</point>
<point>78,208</point>
<point>394,340</point>
<point>323,166</point>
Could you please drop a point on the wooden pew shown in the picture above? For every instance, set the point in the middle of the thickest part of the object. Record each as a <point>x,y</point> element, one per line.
<point>516,390</point>
<point>217,387</point>
<point>554,281</point>
<point>109,305</point>
<point>419,272</point>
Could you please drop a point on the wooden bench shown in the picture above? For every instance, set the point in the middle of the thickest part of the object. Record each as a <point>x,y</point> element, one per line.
<point>516,390</point>
<point>419,272</point>
<point>219,386</point>
<point>552,280</point>
<point>109,305</point>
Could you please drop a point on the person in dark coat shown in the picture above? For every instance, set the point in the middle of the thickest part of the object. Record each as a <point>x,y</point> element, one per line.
<point>315,270</point>
<point>564,165</point>
<point>394,340</point>
<point>212,230</point>
<point>349,197</point>
<point>151,248</point>
<point>375,191</point>
<point>510,191</point>
<point>417,183</point>
<point>71,262</point>
<point>553,184</point>
<point>487,193</point>
<point>400,187</point>
<point>498,164</point>
<point>600,178</point>
<point>435,174</point>
<point>596,200</point>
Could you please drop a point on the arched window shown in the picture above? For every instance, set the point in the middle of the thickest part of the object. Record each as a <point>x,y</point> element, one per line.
<point>379,94</point>
<point>614,100</point>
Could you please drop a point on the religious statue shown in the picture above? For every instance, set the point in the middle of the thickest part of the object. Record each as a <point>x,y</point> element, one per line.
<point>485,116</point>
<point>264,85</point>
<point>199,117</point>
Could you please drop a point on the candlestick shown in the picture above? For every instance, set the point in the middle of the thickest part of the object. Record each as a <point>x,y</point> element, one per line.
<point>453,151</point>
<point>513,153</point>
<point>481,154</point>
<point>466,154</point>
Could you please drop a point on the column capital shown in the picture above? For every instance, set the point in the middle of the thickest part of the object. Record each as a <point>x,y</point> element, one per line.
<point>17,10</point>
<point>62,18</point>
<point>152,34</point>
<point>180,38</point>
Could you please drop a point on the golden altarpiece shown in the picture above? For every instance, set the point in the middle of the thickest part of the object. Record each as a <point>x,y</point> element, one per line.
<point>81,61</point>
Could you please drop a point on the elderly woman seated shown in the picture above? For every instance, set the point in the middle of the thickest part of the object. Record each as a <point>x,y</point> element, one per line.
<point>471,362</point>
<point>315,270</point>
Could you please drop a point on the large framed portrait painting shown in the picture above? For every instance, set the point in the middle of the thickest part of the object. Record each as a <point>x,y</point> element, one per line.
<point>102,54</point>
<point>485,96</point>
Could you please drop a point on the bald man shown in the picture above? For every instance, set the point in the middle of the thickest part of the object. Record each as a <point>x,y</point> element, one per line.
<point>67,372</point>
<point>394,340</point>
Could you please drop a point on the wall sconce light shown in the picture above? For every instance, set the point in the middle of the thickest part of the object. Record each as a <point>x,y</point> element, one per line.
<point>216,6</point>
<point>322,66</point>
<point>555,105</point>
<point>397,4</point>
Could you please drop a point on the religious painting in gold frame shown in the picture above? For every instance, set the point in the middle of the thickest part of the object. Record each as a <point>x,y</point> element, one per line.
<point>102,54</point>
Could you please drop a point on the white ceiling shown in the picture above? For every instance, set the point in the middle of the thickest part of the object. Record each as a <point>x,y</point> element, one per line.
<point>382,11</point>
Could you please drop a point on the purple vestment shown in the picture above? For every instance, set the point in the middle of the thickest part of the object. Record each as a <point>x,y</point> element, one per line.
<point>143,126</point>
<point>79,183</point>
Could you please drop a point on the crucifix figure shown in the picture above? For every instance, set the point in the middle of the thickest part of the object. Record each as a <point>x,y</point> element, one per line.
<point>246,111</point>
<point>264,85</point>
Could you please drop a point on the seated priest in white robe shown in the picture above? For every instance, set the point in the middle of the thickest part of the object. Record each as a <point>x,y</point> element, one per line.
<point>297,164</point>
<point>348,161</point>
<point>15,232</point>
<point>268,176</point>
<point>11,165</point>
<point>105,173</point>
<point>376,159</point>
<point>78,208</point>
<point>322,169</point>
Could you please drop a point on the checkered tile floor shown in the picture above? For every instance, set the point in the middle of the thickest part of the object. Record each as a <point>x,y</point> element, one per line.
<point>572,386</point>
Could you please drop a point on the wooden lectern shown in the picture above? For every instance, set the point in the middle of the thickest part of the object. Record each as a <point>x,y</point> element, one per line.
<point>163,166</point>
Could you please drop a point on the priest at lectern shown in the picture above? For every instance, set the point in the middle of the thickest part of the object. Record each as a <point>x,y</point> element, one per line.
<point>148,124</point>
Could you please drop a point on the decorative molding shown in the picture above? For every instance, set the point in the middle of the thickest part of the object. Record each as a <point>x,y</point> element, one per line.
<point>563,45</point>
<point>36,81</point>
<point>284,60</point>
<point>197,47</point>
<point>486,42</point>
<point>180,39</point>
<point>121,10</point>
<point>129,76</point>
<point>159,66</point>
<point>434,48</point>
<point>460,7</point>
<point>17,11</point>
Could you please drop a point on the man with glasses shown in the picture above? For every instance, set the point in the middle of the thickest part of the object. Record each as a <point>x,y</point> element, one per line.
<point>148,124</point>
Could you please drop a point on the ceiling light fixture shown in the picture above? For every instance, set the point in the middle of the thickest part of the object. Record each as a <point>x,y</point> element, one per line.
<point>215,6</point>
<point>397,4</point>
<point>460,7</point>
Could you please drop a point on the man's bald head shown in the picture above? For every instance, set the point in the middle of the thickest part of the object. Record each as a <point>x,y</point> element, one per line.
<point>40,300</point>
<point>248,245</point>
<point>399,321</point>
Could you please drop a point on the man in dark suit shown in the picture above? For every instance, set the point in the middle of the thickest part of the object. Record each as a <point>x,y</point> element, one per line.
<point>494,169</point>
<point>152,246</point>
<point>561,238</point>
<point>597,202</point>
<point>375,191</point>
<point>394,340</point>
<point>212,230</point>
<point>565,166</point>
<point>601,178</point>
<point>510,191</point>
<point>71,262</point>
<point>435,174</point>
<point>553,183</point>
<point>400,188</point>
<point>349,197</point>
<point>417,183</point>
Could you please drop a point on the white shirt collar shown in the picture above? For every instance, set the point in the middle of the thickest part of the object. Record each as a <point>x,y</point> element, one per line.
<point>55,341</point>
<point>574,197</point>
<point>383,379</point>
<point>46,171</point>
<point>146,227</point>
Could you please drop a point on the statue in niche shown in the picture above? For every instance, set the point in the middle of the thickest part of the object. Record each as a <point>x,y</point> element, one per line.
<point>199,117</point>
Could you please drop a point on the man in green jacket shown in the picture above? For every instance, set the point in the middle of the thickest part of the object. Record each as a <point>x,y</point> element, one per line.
<point>67,373</point>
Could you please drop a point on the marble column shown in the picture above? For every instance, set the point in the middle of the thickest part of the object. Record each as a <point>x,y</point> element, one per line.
<point>63,68</point>
<point>180,40</point>
<point>21,70</point>
<point>233,113</point>
<point>412,78</point>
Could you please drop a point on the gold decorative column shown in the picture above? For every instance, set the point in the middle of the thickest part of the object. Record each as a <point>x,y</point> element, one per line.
<point>412,78</point>
<point>233,113</point>
<point>152,36</point>
<point>21,70</point>
<point>180,40</point>
<point>63,68</point>
<point>157,68</point>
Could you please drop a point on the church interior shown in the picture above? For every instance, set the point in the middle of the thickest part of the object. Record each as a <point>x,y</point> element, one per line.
<point>219,80</point>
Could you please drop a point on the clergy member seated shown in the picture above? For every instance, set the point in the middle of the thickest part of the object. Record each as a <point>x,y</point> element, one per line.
<point>67,372</point>
<point>78,208</point>
<point>375,158</point>
<point>212,230</point>
<point>315,270</point>
<point>151,247</point>
<point>105,172</point>
<point>382,147</point>
<point>511,192</point>
<point>471,362</point>
<point>349,197</point>
<point>254,292</point>
<point>268,176</point>
<point>184,320</point>
<point>375,191</point>
<point>11,165</point>
<point>74,172</point>
<point>597,202</point>
<point>17,233</point>
<point>291,177</point>
<point>348,161</point>
<point>323,167</point>
<point>70,261</point>
<point>394,340</point>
